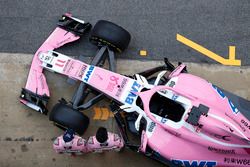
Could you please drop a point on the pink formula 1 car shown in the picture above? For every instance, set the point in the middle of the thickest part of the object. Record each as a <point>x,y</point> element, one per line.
<point>181,119</point>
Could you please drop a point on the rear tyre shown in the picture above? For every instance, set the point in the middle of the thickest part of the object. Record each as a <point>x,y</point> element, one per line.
<point>111,35</point>
<point>66,117</point>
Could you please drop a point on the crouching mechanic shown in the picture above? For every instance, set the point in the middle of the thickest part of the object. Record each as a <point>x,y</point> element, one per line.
<point>104,141</point>
<point>71,143</point>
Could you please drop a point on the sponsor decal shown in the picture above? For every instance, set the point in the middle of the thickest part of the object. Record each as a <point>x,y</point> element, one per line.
<point>243,128</point>
<point>222,95</point>
<point>221,151</point>
<point>151,127</point>
<point>83,69</point>
<point>234,109</point>
<point>113,83</point>
<point>121,87</point>
<point>194,163</point>
<point>173,133</point>
<point>69,67</point>
<point>99,76</point>
<point>66,65</point>
<point>231,130</point>
<point>245,123</point>
<point>47,58</point>
<point>60,63</point>
<point>163,120</point>
<point>114,79</point>
<point>131,96</point>
<point>164,91</point>
<point>174,97</point>
<point>218,136</point>
<point>172,84</point>
<point>226,138</point>
<point>238,161</point>
<point>88,74</point>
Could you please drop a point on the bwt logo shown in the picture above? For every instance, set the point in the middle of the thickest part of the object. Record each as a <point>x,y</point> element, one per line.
<point>89,72</point>
<point>132,95</point>
<point>222,95</point>
<point>194,163</point>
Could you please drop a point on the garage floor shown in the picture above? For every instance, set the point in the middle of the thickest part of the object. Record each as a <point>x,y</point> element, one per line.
<point>26,136</point>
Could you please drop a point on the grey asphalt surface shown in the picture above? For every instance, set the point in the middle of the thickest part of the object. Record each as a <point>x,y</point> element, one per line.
<point>153,24</point>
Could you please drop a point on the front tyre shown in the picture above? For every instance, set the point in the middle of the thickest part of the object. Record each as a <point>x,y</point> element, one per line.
<point>111,35</point>
<point>66,117</point>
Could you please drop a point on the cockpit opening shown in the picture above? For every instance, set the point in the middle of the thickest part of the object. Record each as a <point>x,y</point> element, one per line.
<point>166,108</point>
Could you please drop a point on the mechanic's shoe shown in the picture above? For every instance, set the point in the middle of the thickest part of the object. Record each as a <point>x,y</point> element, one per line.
<point>104,141</point>
<point>70,143</point>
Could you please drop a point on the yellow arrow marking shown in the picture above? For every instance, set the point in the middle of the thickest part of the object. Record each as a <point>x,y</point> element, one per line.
<point>98,113</point>
<point>105,113</point>
<point>102,113</point>
<point>143,53</point>
<point>230,61</point>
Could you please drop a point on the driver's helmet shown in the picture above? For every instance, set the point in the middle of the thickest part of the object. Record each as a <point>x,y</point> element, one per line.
<point>102,135</point>
<point>68,135</point>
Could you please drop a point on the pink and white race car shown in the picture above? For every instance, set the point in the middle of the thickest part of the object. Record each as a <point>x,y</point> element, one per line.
<point>181,119</point>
